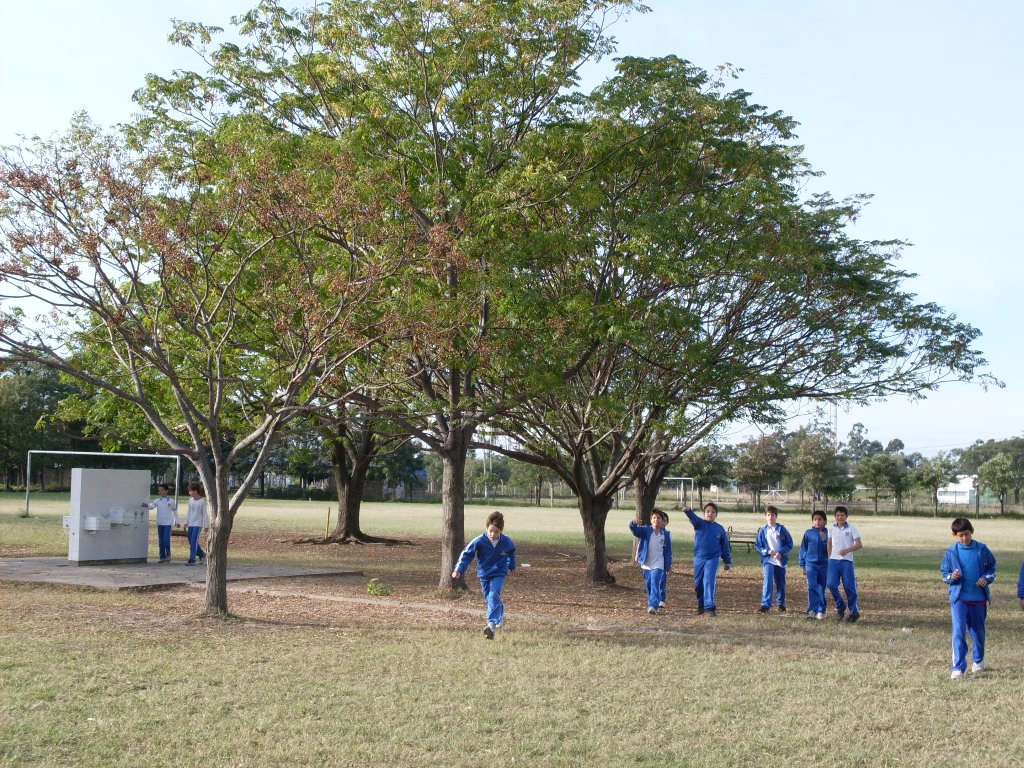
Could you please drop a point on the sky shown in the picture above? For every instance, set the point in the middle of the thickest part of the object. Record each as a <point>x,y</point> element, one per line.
<point>915,102</point>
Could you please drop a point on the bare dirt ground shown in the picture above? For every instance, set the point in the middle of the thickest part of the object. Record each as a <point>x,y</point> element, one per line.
<point>549,592</point>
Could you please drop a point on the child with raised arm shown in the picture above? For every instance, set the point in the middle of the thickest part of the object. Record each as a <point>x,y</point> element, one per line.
<point>814,563</point>
<point>196,520</point>
<point>843,541</point>
<point>495,555</point>
<point>166,518</point>
<point>710,546</point>
<point>654,556</point>
<point>968,567</point>
<point>773,543</point>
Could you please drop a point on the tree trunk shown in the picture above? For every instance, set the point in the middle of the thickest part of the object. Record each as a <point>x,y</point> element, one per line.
<point>453,511</point>
<point>594,511</point>
<point>217,549</point>
<point>646,496</point>
<point>349,485</point>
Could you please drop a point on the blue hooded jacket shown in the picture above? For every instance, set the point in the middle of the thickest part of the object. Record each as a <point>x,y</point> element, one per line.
<point>710,540</point>
<point>491,559</point>
<point>644,533</point>
<point>813,549</point>
<point>951,562</point>
<point>785,545</point>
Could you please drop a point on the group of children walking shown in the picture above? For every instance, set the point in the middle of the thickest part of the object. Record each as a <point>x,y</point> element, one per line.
<point>825,557</point>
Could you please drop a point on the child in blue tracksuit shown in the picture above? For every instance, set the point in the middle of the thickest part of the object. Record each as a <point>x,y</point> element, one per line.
<point>655,557</point>
<point>710,545</point>
<point>774,543</point>
<point>968,567</point>
<point>814,563</point>
<point>495,555</point>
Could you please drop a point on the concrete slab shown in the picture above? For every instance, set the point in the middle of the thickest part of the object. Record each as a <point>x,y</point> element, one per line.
<point>60,570</point>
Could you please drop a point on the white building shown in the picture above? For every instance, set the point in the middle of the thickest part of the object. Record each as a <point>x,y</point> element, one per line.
<point>960,492</point>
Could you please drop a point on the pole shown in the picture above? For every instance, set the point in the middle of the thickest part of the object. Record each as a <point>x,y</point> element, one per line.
<point>327,530</point>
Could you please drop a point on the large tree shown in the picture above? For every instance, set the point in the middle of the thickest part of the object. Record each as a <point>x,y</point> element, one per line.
<point>972,457</point>
<point>934,473</point>
<point>29,396</point>
<point>439,102</point>
<point>883,471</point>
<point>760,464</point>
<point>711,289</point>
<point>999,474</point>
<point>190,280</point>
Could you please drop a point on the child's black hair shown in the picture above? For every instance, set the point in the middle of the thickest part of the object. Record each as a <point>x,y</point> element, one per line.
<point>960,525</point>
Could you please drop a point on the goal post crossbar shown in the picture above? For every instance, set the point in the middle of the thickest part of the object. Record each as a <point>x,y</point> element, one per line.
<point>28,467</point>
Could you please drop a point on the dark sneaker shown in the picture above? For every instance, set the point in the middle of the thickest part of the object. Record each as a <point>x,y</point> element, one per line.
<point>764,609</point>
<point>840,614</point>
<point>782,609</point>
<point>700,609</point>
<point>712,611</point>
<point>489,631</point>
<point>854,615</point>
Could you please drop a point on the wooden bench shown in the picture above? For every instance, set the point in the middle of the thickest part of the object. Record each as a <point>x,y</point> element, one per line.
<point>742,537</point>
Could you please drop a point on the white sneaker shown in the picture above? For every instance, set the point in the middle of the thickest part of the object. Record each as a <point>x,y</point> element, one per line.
<point>651,609</point>
<point>820,616</point>
<point>661,604</point>
<point>978,666</point>
<point>956,674</point>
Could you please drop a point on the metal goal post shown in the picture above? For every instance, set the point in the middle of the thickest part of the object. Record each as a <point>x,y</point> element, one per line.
<point>99,454</point>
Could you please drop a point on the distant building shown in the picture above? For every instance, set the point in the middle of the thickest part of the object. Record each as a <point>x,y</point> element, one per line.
<point>963,491</point>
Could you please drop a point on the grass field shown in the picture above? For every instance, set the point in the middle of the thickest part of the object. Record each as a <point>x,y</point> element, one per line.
<point>317,673</point>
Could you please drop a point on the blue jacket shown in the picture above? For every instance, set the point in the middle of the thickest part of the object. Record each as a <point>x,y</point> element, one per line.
<point>813,549</point>
<point>491,559</point>
<point>1020,584</point>
<point>710,540</point>
<point>644,533</point>
<point>785,545</point>
<point>951,562</point>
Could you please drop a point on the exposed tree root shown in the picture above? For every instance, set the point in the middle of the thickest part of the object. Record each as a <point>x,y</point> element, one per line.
<point>360,539</point>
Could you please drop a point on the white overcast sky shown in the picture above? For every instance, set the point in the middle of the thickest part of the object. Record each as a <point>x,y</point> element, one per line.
<point>916,102</point>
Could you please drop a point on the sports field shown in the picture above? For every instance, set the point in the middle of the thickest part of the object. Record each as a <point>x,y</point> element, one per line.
<point>316,672</point>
